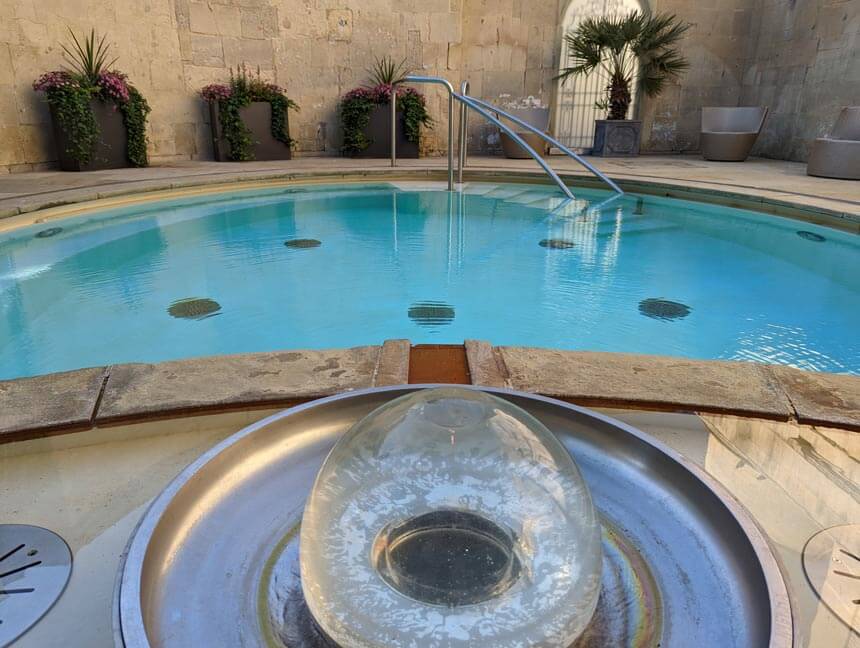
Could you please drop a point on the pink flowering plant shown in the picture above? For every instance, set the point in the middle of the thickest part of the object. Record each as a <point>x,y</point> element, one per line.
<point>244,88</point>
<point>357,105</point>
<point>88,77</point>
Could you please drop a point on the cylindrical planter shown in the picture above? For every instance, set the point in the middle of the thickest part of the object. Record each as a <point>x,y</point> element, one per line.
<point>379,133</point>
<point>110,151</point>
<point>616,137</point>
<point>257,117</point>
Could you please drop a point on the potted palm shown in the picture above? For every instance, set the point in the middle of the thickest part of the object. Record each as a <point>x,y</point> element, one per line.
<point>99,118</point>
<point>365,116</point>
<point>249,118</point>
<point>637,45</point>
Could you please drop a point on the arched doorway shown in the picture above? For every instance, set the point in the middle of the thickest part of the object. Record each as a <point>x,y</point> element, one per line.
<point>575,98</point>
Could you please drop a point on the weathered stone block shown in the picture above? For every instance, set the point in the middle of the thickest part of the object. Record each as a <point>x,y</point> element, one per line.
<point>202,18</point>
<point>339,24</point>
<point>206,50</point>
<point>259,22</point>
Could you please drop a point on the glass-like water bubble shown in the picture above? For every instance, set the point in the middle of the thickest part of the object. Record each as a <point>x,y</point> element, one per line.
<point>450,517</point>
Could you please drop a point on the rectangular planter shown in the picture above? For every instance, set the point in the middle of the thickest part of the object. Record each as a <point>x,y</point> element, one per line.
<point>258,118</point>
<point>616,137</point>
<point>379,134</point>
<point>110,151</point>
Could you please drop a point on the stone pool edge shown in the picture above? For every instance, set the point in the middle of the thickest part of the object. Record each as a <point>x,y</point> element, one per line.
<point>84,399</point>
<point>48,207</point>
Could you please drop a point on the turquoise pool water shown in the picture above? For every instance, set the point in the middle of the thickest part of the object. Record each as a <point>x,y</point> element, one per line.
<point>642,275</point>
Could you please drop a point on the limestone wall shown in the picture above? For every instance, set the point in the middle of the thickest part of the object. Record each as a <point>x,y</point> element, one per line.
<point>319,49</point>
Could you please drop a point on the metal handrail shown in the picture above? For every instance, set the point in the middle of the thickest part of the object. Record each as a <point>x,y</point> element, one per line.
<point>462,145</point>
<point>451,95</point>
<point>470,102</point>
<point>483,108</point>
<point>550,140</point>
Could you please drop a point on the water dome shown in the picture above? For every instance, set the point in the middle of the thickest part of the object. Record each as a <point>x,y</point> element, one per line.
<point>450,517</point>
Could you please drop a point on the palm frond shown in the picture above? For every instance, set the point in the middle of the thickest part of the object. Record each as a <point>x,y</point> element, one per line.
<point>89,59</point>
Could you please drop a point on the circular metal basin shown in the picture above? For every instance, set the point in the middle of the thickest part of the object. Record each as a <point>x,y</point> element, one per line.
<point>215,555</point>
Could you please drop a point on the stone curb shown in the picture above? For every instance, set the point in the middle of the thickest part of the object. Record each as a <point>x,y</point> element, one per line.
<point>751,199</point>
<point>100,396</point>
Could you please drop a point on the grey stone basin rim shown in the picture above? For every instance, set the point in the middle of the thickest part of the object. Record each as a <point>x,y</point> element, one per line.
<point>129,629</point>
<point>102,396</point>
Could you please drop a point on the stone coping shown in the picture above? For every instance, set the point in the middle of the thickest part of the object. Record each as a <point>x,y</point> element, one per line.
<point>104,396</point>
<point>24,210</point>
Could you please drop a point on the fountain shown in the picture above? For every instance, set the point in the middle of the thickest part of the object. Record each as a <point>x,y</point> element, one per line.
<point>447,517</point>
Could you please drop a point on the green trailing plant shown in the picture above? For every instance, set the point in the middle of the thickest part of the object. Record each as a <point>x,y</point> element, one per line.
<point>69,93</point>
<point>358,104</point>
<point>243,89</point>
<point>619,45</point>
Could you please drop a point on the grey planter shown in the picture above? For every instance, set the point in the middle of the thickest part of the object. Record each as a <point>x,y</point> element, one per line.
<point>616,137</point>
<point>110,151</point>
<point>379,134</point>
<point>258,118</point>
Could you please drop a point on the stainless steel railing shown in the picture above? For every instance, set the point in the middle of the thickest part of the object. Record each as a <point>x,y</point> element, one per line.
<point>486,109</point>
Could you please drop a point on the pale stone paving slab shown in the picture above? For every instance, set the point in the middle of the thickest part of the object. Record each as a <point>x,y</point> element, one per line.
<point>653,382</point>
<point>821,398</point>
<point>392,366</point>
<point>222,382</point>
<point>54,402</point>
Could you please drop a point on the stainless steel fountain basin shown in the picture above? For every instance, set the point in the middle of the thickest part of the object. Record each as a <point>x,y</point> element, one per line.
<point>686,564</point>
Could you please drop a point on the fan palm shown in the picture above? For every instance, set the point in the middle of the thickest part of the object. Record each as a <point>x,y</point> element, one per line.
<point>616,44</point>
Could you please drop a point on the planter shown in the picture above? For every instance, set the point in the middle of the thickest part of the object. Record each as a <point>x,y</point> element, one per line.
<point>257,117</point>
<point>110,149</point>
<point>616,137</point>
<point>379,133</point>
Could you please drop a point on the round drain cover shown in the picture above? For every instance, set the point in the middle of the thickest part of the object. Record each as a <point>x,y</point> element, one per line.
<point>663,309</point>
<point>51,231</point>
<point>831,560</point>
<point>302,243</point>
<point>811,236</point>
<point>35,565</point>
<point>431,313</point>
<point>194,308</point>
<point>557,244</point>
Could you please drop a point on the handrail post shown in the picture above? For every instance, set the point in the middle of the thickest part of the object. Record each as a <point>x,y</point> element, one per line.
<point>461,147</point>
<point>393,108</point>
<point>451,95</point>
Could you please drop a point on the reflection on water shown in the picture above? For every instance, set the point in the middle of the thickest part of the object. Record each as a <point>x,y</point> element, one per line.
<point>98,292</point>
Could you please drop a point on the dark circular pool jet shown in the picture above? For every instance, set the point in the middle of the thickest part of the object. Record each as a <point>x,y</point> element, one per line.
<point>431,313</point>
<point>302,243</point>
<point>557,244</point>
<point>194,308</point>
<point>663,309</point>
<point>451,513</point>
<point>48,233</point>
<point>811,236</point>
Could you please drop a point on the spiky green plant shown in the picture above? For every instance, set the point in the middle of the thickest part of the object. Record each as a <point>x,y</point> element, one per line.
<point>616,44</point>
<point>387,71</point>
<point>90,59</point>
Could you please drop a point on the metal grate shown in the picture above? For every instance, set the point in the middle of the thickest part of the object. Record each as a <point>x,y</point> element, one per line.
<point>302,243</point>
<point>663,309</point>
<point>47,233</point>
<point>35,565</point>
<point>831,560</point>
<point>194,308</point>
<point>431,313</point>
<point>557,244</point>
<point>575,110</point>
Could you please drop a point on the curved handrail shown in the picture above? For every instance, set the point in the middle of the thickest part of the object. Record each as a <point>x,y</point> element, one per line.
<point>519,140</point>
<point>451,94</point>
<point>550,139</point>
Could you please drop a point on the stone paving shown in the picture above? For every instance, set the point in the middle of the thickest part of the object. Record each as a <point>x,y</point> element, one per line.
<point>756,183</point>
<point>96,397</point>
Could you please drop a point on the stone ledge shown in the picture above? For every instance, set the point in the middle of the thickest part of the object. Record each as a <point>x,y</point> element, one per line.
<point>821,398</point>
<point>182,387</point>
<point>79,400</point>
<point>50,404</point>
<point>653,382</point>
